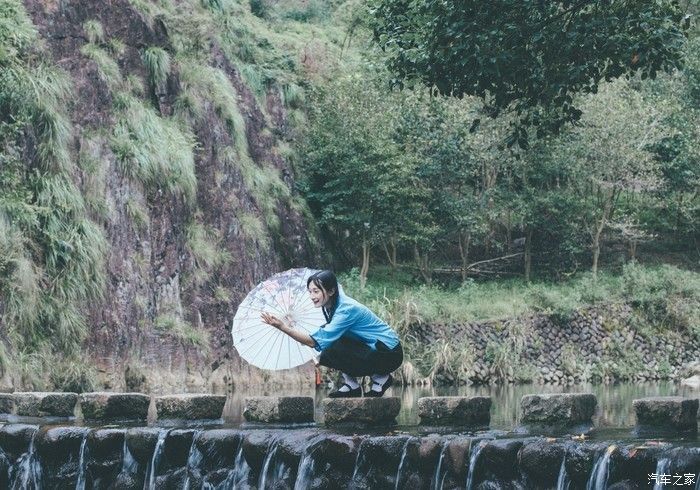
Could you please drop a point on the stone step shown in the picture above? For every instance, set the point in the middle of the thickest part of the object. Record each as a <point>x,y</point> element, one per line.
<point>114,406</point>
<point>366,411</point>
<point>455,410</point>
<point>558,408</point>
<point>279,409</point>
<point>45,404</point>
<point>190,406</point>
<point>673,412</point>
<point>7,403</point>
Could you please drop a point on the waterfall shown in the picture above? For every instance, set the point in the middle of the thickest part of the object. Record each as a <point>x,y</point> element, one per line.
<point>80,484</point>
<point>153,467</point>
<point>305,472</point>
<point>269,458</point>
<point>128,462</point>
<point>437,481</point>
<point>473,457</point>
<point>662,466</point>
<point>403,458</point>
<point>28,474</point>
<point>239,473</point>
<point>563,479</point>
<point>194,457</point>
<point>358,461</point>
<point>599,476</point>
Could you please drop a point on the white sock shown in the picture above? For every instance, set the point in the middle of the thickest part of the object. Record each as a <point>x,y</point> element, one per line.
<point>378,381</point>
<point>349,381</point>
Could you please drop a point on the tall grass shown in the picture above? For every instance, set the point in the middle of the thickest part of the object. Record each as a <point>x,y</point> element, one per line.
<point>157,61</point>
<point>107,68</point>
<point>93,31</point>
<point>153,150</point>
<point>53,256</point>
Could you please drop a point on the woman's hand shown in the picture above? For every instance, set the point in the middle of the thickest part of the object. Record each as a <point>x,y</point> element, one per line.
<point>272,320</point>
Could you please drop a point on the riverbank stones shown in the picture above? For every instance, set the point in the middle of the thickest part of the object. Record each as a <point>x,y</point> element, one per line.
<point>364,411</point>
<point>45,404</point>
<point>7,403</point>
<point>558,409</point>
<point>672,412</point>
<point>114,406</point>
<point>190,406</point>
<point>279,409</point>
<point>455,410</point>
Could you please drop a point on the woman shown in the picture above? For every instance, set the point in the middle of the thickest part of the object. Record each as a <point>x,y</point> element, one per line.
<point>353,340</point>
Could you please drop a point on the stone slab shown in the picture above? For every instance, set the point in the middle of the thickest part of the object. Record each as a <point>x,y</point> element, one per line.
<point>114,406</point>
<point>279,409</point>
<point>45,404</point>
<point>455,410</point>
<point>667,411</point>
<point>7,403</point>
<point>558,408</point>
<point>190,406</point>
<point>366,411</point>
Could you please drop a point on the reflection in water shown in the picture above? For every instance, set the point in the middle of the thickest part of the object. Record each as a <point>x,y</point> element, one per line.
<point>614,401</point>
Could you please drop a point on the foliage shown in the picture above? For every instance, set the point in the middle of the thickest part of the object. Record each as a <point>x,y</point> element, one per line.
<point>157,61</point>
<point>529,56</point>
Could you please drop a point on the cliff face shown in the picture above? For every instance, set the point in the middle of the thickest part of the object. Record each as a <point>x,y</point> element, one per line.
<point>176,266</point>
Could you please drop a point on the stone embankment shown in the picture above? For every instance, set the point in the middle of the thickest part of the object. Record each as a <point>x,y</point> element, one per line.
<point>604,343</point>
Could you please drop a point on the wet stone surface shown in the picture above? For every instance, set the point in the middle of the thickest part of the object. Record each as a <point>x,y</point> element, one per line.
<point>43,404</point>
<point>114,406</point>
<point>455,410</point>
<point>282,409</point>
<point>362,411</point>
<point>672,412</point>
<point>190,406</point>
<point>558,409</point>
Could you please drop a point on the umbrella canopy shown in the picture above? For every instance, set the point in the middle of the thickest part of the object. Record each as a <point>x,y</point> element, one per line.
<point>285,296</point>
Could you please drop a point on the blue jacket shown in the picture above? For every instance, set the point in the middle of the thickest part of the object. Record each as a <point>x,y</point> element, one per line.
<point>355,320</point>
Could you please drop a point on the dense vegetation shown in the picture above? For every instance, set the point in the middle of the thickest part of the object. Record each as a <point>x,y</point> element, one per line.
<point>440,191</point>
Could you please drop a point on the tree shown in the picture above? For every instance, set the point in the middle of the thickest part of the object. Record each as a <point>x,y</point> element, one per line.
<point>609,153</point>
<point>530,56</point>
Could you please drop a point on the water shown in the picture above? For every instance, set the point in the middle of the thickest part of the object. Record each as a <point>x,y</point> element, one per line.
<point>80,485</point>
<point>662,467</point>
<point>473,458</point>
<point>129,464</point>
<point>601,470</point>
<point>437,480</point>
<point>153,467</point>
<point>614,401</point>
<point>194,458</point>
<point>404,451</point>
<point>563,478</point>
<point>238,474</point>
<point>28,475</point>
<point>269,458</point>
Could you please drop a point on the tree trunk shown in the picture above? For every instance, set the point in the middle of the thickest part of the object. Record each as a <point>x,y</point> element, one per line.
<point>365,263</point>
<point>528,254</point>
<point>390,250</point>
<point>422,261</point>
<point>464,241</point>
<point>600,226</point>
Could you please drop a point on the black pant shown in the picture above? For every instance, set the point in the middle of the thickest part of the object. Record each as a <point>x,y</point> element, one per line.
<point>357,358</point>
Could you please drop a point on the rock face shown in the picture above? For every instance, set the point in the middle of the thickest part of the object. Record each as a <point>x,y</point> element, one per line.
<point>190,406</point>
<point>39,404</point>
<point>363,411</point>
<point>455,410</point>
<point>667,411</point>
<point>558,409</point>
<point>282,409</point>
<point>114,406</point>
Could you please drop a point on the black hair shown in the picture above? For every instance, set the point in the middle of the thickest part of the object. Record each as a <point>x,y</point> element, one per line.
<point>327,281</point>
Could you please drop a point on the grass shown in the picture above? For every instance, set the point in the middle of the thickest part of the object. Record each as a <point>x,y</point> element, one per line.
<point>94,32</point>
<point>157,61</point>
<point>156,151</point>
<point>177,328</point>
<point>107,68</point>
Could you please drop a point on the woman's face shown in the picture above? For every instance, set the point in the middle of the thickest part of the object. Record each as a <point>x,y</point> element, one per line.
<point>319,296</point>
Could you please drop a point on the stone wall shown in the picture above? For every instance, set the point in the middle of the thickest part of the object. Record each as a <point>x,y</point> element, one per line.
<point>603,343</point>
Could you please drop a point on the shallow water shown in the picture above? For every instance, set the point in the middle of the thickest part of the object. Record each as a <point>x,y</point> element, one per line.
<point>614,416</point>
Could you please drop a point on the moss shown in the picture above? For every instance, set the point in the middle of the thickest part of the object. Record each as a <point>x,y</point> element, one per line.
<point>178,328</point>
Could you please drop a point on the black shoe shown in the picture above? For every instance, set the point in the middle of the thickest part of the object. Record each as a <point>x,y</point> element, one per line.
<point>352,393</point>
<point>378,394</point>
